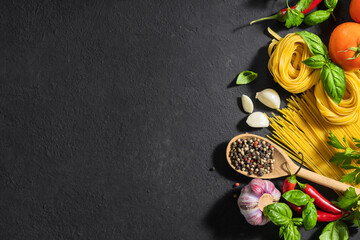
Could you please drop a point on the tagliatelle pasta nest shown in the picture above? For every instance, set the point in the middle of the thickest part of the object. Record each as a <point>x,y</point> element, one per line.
<point>347,111</point>
<point>285,65</point>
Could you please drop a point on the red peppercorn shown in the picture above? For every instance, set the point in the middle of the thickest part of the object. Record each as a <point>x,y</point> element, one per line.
<point>237,184</point>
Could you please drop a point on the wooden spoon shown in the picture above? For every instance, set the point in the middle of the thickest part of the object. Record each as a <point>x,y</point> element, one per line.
<point>280,169</point>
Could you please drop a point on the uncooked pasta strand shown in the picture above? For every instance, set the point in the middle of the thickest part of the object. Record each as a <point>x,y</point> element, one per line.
<point>300,128</point>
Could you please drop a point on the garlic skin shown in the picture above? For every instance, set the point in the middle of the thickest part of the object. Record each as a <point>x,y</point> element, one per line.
<point>257,120</point>
<point>247,104</point>
<point>269,97</point>
<point>254,197</point>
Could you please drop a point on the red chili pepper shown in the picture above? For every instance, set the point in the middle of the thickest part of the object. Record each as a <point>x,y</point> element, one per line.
<point>320,200</point>
<point>327,217</point>
<point>279,16</point>
<point>288,185</point>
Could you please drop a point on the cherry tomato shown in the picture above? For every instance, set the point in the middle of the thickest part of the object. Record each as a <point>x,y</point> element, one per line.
<point>344,45</point>
<point>355,10</point>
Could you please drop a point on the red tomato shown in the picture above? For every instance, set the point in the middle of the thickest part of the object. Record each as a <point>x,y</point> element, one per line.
<point>355,10</point>
<point>344,44</point>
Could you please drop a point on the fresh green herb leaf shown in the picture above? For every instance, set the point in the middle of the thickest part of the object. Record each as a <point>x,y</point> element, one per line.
<point>246,77</point>
<point>340,158</point>
<point>348,200</point>
<point>344,139</point>
<point>281,231</point>
<point>344,159</point>
<point>293,18</point>
<point>356,216</point>
<point>291,232</point>
<point>316,46</point>
<point>298,221</point>
<point>335,230</point>
<point>279,213</point>
<point>317,17</point>
<point>333,141</point>
<point>348,166</point>
<point>331,4</point>
<point>350,177</point>
<point>333,80</point>
<point>357,142</point>
<point>297,197</point>
<point>302,5</point>
<point>317,61</point>
<point>309,215</point>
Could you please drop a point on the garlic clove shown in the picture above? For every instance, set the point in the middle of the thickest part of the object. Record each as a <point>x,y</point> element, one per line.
<point>255,216</point>
<point>257,120</point>
<point>269,97</point>
<point>247,104</point>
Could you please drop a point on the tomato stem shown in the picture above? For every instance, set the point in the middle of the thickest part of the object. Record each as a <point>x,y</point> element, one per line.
<point>354,49</point>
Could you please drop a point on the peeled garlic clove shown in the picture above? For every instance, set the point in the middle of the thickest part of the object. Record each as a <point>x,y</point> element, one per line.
<point>269,97</point>
<point>247,104</point>
<point>257,120</point>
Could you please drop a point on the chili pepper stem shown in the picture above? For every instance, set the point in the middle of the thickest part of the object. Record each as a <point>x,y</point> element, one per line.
<point>301,185</point>
<point>273,17</point>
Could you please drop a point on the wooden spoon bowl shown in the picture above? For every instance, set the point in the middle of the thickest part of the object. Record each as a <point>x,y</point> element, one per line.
<point>281,170</point>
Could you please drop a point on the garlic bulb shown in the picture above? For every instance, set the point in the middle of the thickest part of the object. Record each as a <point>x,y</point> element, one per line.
<point>269,97</point>
<point>257,120</point>
<point>254,197</point>
<point>247,104</point>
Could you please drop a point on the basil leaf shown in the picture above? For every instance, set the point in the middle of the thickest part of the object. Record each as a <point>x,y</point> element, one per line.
<point>317,61</point>
<point>281,231</point>
<point>297,197</point>
<point>291,232</point>
<point>331,4</point>
<point>309,215</point>
<point>279,213</point>
<point>333,79</point>
<point>316,46</point>
<point>298,221</point>
<point>317,17</point>
<point>335,230</point>
<point>246,77</point>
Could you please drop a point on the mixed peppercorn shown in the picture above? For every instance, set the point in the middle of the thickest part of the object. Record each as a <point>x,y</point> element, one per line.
<point>253,156</point>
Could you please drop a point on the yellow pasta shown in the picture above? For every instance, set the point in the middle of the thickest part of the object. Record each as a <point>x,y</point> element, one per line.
<point>347,111</point>
<point>285,64</point>
<point>302,129</point>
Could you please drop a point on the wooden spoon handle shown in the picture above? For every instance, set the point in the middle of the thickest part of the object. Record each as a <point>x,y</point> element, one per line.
<point>325,181</point>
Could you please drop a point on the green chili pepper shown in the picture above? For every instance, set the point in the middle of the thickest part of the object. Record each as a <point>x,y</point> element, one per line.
<point>317,17</point>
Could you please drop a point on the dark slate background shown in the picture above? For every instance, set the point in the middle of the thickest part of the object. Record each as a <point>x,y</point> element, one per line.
<point>113,112</point>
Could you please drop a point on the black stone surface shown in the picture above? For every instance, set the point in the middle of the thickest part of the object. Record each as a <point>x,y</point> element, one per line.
<point>113,112</point>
